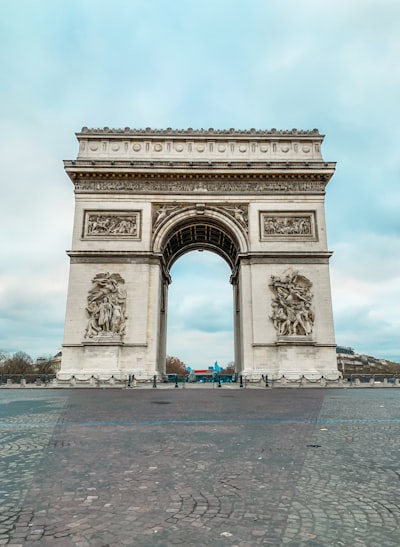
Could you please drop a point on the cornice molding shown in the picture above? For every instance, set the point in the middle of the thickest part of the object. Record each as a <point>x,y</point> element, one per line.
<point>131,257</point>
<point>96,165</point>
<point>113,257</point>
<point>286,257</point>
<point>148,131</point>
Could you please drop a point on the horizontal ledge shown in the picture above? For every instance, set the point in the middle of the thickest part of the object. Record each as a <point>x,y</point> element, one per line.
<point>123,344</point>
<point>284,254</point>
<point>130,166</point>
<point>113,257</point>
<point>274,344</point>
<point>305,343</point>
<point>148,257</point>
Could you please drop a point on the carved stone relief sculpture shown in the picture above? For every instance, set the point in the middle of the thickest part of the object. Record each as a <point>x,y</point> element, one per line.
<point>151,186</point>
<point>106,306</point>
<point>161,212</point>
<point>287,225</point>
<point>239,212</point>
<point>292,313</point>
<point>112,224</point>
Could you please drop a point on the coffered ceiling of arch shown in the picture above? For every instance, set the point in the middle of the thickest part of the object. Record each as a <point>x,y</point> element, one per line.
<point>200,235</point>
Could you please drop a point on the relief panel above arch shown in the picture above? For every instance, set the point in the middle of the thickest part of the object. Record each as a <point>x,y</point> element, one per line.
<point>235,211</point>
<point>101,224</point>
<point>288,226</point>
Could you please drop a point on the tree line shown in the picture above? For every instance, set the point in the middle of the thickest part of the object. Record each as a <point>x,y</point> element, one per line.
<point>22,363</point>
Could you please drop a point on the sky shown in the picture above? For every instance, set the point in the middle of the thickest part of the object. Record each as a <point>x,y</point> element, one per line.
<point>332,65</point>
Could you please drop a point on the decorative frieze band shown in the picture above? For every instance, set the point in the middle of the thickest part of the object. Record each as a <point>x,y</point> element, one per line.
<point>287,225</point>
<point>112,224</point>
<point>219,185</point>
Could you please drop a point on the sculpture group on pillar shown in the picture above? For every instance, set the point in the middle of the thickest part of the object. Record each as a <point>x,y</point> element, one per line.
<point>292,313</point>
<point>106,306</point>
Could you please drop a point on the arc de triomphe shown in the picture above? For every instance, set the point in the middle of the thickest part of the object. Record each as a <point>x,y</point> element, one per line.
<point>146,197</point>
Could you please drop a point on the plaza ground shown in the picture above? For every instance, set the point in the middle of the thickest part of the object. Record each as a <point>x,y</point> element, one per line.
<point>223,467</point>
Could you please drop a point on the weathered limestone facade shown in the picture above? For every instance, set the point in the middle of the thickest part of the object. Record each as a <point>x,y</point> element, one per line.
<point>145,197</point>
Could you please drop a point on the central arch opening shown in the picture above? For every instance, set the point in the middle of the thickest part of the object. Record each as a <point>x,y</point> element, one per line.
<point>200,326</point>
<point>200,313</point>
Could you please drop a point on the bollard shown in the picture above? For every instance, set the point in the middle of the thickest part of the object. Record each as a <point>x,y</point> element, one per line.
<point>241,380</point>
<point>154,381</point>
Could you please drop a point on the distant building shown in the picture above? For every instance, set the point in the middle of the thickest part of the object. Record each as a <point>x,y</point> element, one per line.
<point>345,349</point>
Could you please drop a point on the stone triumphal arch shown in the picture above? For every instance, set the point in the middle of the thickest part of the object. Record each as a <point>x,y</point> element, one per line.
<point>146,197</point>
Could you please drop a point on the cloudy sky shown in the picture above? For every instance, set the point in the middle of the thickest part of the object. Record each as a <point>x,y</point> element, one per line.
<point>331,64</point>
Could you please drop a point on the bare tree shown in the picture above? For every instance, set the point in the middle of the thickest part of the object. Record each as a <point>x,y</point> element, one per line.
<point>45,365</point>
<point>19,363</point>
<point>175,366</point>
<point>229,369</point>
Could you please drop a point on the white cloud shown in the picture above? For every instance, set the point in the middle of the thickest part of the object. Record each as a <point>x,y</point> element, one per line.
<point>366,287</point>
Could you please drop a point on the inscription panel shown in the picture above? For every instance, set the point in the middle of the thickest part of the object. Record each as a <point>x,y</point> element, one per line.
<point>112,224</point>
<point>288,225</point>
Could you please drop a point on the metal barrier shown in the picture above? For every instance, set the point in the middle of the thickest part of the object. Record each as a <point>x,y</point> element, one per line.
<point>47,380</point>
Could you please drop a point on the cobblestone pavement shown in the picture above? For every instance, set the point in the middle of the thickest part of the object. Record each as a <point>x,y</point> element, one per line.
<point>200,467</point>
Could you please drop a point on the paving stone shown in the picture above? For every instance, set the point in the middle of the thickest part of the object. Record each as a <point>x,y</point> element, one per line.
<point>86,468</point>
